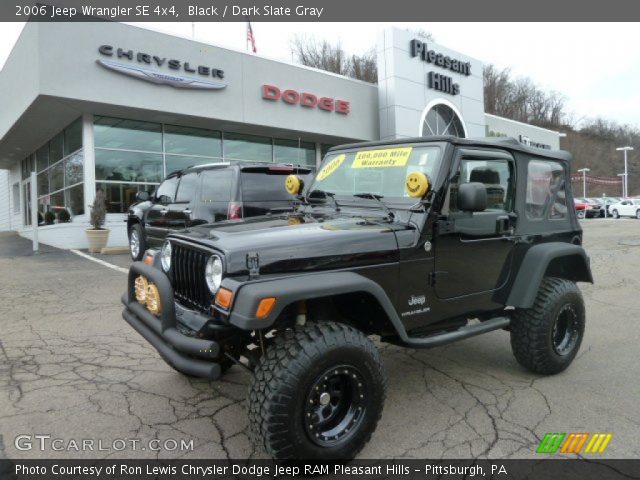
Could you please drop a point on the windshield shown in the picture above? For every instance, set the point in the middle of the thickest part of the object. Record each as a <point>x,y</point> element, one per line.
<point>376,170</point>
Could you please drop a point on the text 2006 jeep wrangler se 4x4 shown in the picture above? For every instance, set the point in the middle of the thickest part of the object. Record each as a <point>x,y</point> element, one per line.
<point>422,242</point>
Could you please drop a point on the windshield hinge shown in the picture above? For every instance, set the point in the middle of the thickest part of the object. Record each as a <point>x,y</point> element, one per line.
<point>253,264</point>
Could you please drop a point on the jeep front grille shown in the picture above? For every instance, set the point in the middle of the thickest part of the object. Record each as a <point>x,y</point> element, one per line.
<point>189,285</point>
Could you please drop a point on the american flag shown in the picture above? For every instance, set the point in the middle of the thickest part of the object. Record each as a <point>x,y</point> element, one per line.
<point>251,38</point>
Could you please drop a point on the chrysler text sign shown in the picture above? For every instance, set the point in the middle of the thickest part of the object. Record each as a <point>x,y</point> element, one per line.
<point>305,99</point>
<point>136,65</point>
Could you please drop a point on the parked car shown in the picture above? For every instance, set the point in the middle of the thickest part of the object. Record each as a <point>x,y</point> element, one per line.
<point>208,194</point>
<point>628,207</point>
<point>605,203</point>
<point>586,208</point>
<point>420,241</point>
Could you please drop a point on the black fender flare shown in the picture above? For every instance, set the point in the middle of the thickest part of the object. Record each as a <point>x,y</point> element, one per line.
<point>558,259</point>
<point>303,287</point>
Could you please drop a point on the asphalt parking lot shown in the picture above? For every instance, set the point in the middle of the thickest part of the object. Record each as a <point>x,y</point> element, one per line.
<point>71,368</point>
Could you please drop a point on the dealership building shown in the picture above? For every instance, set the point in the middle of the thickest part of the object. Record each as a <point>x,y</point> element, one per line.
<point>110,106</point>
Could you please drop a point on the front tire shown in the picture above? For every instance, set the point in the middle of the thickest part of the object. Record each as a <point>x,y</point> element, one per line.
<point>317,393</point>
<point>580,214</point>
<point>615,213</point>
<point>137,242</point>
<point>638,214</point>
<point>546,337</point>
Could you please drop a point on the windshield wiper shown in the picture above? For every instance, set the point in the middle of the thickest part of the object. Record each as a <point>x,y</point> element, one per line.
<point>378,198</point>
<point>330,195</point>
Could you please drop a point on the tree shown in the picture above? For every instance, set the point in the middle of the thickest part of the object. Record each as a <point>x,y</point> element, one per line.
<point>333,58</point>
<point>520,99</point>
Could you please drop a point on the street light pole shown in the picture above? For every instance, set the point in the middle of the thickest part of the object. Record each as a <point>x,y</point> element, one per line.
<point>623,192</point>
<point>626,173</point>
<point>584,180</point>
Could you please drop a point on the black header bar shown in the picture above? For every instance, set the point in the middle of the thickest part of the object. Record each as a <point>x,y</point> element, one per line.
<point>319,10</point>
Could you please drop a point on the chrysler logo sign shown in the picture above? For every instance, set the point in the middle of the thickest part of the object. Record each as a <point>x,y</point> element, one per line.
<point>153,75</point>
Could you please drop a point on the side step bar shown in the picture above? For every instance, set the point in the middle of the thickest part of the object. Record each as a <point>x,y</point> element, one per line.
<point>464,332</point>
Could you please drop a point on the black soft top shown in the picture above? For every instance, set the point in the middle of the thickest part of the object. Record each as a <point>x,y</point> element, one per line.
<point>506,143</point>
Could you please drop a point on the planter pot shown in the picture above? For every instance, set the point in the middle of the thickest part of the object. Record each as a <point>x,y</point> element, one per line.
<point>97,239</point>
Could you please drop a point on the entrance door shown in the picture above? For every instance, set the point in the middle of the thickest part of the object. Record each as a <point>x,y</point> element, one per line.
<point>472,252</point>
<point>26,203</point>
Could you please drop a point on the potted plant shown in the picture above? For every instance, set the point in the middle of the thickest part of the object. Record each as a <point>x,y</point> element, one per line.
<point>97,235</point>
<point>49,218</point>
<point>64,216</point>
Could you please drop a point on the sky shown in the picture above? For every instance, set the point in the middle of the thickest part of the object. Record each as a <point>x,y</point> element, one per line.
<point>596,66</point>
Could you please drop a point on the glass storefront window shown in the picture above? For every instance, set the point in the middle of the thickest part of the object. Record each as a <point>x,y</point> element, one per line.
<point>192,141</point>
<point>128,166</point>
<point>73,137</point>
<point>74,199</point>
<point>248,147</point>
<point>121,195</point>
<point>56,202</point>
<point>73,169</point>
<point>56,177</point>
<point>43,183</point>
<point>176,163</point>
<point>42,157</point>
<point>56,148</point>
<point>127,134</point>
<point>290,151</point>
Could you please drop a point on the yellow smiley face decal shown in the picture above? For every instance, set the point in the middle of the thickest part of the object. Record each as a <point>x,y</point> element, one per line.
<point>417,184</point>
<point>293,184</point>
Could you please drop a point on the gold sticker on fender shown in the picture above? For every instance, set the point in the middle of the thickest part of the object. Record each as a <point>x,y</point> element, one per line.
<point>330,167</point>
<point>390,157</point>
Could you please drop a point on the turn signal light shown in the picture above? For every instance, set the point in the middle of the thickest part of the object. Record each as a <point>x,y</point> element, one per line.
<point>148,260</point>
<point>265,306</point>
<point>224,297</point>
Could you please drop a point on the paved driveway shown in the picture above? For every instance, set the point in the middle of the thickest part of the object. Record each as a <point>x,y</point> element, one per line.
<point>71,368</point>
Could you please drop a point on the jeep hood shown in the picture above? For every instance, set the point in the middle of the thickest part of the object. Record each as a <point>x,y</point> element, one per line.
<point>290,243</point>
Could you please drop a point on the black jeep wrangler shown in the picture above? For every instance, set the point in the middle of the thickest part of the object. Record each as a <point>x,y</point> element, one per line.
<point>421,242</point>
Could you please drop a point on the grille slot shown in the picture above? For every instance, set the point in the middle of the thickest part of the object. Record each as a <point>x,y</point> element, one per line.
<point>189,285</point>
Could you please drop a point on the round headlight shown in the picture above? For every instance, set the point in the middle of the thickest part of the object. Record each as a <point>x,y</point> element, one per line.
<point>165,256</point>
<point>213,273</point>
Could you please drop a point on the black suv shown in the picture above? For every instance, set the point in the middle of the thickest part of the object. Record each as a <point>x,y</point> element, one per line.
<point>421,242</point>
<point>207,194</point>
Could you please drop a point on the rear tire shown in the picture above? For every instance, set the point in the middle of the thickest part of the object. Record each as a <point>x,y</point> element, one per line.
<point>638,214</point>
<point>546,337</point>
<point>317,393</point>
<point>137,242</point>
<point>580,214</point>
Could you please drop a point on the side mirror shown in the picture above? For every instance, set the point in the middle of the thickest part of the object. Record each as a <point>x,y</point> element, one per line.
<point>164,199</point>
<point>142,196</point>
<point>293,184</point>
<point>472,197</point>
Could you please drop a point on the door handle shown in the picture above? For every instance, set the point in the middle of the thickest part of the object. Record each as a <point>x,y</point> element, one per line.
<point>187,211</point>
<point>164,211</point>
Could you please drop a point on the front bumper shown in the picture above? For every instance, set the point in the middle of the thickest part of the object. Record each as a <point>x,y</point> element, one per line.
<point>189,355</point>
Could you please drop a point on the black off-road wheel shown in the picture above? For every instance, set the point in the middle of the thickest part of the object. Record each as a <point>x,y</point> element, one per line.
<point>137,242</point>
<point>317,393</point>
<point>546,337</point>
